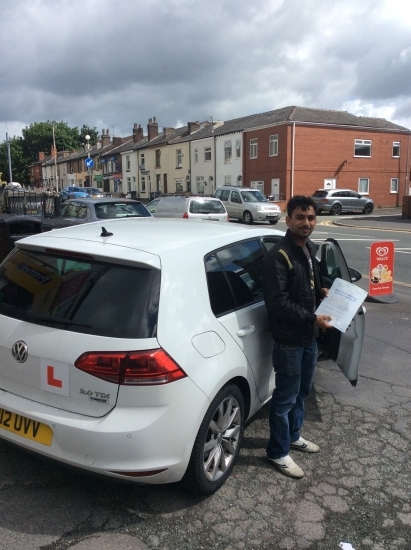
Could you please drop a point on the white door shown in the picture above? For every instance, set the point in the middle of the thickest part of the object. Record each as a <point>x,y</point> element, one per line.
<point>275,188</point>
<point>330,183</point>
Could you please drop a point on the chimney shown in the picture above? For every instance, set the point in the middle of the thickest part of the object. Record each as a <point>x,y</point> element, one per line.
<point>152,128</point>
<point>41,155</point>
<point>138,134</point>
<point>168,131</point>
<point>105,138</point>
<point>193,126</point>
<point>117,140</point>
<point>53,151</point>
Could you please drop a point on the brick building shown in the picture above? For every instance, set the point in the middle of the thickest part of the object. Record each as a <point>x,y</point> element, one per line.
<point>296,150</point>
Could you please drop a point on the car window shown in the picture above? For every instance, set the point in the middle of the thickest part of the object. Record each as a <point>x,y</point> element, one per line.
<point>234,276</point>
<point>223,194</point>
<point>152,206</point>
<point>94,297</point>
<point>253,196</point>
<point>121,210</point>
<point>269,242</point>
<point>73,210</point>
<point>206,206</point>
<point>320,194</point>
<point>235,197</point>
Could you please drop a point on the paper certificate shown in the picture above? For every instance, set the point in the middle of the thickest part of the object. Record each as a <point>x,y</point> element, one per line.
<point>342,303</point>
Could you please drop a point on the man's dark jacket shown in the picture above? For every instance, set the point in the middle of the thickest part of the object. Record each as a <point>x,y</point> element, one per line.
<point>287,292</point>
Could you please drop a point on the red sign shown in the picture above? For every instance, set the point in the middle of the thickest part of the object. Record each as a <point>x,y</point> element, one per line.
<point>381,268</point>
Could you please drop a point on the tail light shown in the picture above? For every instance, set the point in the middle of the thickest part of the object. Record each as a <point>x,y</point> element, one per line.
<point>133,368</point>
<point>324,200</point>
<point>185,215</point>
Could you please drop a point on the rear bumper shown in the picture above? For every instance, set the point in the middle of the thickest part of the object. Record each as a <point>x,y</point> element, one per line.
<point>134,437</point>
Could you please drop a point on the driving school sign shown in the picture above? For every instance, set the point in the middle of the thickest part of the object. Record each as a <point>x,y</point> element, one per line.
<point>381,268</point>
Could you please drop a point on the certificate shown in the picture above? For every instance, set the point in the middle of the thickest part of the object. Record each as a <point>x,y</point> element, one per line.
<point>342,303</point>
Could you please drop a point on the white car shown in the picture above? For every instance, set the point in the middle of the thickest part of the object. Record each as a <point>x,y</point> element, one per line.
<point>138,348</point>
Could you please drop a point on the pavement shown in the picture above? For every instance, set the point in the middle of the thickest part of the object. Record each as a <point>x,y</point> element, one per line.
<point>384,218</point>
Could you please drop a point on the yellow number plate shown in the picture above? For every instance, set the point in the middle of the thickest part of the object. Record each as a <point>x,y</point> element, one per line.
<point>25,427</point>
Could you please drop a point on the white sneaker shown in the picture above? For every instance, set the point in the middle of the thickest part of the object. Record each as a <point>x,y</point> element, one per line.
<point>303,445</point>
<point>287,466</point>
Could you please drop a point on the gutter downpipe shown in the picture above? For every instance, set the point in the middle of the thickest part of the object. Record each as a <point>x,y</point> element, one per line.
<point>407,168</point>
<point>292,161</point>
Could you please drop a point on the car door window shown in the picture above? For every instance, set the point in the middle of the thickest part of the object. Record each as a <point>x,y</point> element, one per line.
<point>235,197</point>
<point>234,276</point>
<point>269,242</point>
<point>332,265</point>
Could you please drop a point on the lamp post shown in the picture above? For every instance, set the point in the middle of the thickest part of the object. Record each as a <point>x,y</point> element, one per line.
<point>9,155</point>
<point>88,155</point>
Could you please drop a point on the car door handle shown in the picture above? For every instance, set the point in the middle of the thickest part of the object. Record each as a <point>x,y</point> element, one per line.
<point>246,330</point>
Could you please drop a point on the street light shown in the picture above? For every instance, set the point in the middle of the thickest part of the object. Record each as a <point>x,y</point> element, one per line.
<point>88,155</point>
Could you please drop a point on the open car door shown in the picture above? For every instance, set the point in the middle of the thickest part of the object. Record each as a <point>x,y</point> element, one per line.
<point>343,348</point>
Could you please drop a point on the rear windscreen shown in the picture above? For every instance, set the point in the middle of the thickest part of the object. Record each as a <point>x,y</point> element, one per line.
<point>79,295</point>
<point>320,194</point>
<point>205,206</point>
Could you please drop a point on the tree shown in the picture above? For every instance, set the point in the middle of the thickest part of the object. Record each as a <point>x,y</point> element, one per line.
<point>92,132</point>
<point>18,163</point>
<point>39,137</point>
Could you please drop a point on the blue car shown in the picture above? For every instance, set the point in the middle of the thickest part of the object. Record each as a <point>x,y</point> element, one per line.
<point>73,192</point>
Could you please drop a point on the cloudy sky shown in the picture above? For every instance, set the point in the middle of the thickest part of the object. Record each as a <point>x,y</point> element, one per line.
<point>111,63</point>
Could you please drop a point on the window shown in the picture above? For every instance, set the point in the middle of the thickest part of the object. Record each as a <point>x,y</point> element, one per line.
<point>142,161</point>
<point>195,155</point>
<point>227,151</point>
<point>143,183</point>
<point>200,184</point>
<point>128,163</point>
<point>234,277</point>
<point>179,158</point>
<point>158,158</point>
<point>238,148</point>
<point>98,162</point>
<point>253,148</point>
<point>362,148</point>
<point>158,182</point>
<point>128,184</point>
<point>207,154</point>
<point>227,180</point>
<point>396,149</point>
<point>179,185</point>
<point>273,149</point>
<point>80,165</point>
<point>394,185</point>
<point>364,186</point>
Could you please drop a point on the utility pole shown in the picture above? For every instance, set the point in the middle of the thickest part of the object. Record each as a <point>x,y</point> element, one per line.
<point>55,161</point>
<point>9,155</point>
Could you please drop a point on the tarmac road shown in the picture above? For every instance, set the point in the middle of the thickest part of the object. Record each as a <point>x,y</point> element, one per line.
<point>356,491</point>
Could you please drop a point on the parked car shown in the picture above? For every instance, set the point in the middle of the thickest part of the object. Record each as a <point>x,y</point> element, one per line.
<point>92,210</point>
<point>73,192</point>
<point>248,205</point>
<point>203,208</point>
<point>140,349</point>
<point>336,201</point>
<point>13,186</point>
<point>94,192</point>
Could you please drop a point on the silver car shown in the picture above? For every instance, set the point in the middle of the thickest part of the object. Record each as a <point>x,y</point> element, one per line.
<point>93,210</point>
<point>336,201</point>
<point>248,205</point>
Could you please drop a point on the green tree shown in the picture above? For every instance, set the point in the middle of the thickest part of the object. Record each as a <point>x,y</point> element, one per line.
<point>88,131</point>
<point>39,137</point>
<point>18,162</point>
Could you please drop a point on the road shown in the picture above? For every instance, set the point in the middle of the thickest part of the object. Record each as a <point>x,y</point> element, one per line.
<point>356,490</point>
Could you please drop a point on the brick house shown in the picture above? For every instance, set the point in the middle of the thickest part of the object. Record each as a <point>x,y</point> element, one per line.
<point>308,149</point>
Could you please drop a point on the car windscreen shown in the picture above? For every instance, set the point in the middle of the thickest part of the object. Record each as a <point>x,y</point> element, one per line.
<point>253,196</point>
<point>204,206</point>
<point>121,210</point>
<point>320,194</point>
<point>80,295</point>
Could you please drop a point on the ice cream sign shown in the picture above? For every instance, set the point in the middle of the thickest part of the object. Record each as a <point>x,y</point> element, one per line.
<point>381,268</point>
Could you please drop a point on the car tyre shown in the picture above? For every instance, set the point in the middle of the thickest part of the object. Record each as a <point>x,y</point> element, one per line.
<point>273,222</point>
<point>248,217</point>
<point>218,442</point>
<point>319,211</point>
<point>368,208</point>
<point>336,209</point>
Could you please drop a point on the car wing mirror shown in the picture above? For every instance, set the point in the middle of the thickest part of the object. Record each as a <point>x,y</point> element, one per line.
<point>355,275</point>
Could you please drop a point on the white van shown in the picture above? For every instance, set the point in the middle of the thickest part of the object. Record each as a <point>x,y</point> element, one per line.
<point>198,207</point>
<point>248,205</point>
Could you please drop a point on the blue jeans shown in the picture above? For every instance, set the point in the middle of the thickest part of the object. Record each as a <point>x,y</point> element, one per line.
<point>294,374</point>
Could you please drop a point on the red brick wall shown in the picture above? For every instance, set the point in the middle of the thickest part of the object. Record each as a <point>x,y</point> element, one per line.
<point>324,152</point>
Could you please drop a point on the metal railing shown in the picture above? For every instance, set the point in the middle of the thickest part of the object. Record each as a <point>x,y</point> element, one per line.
<point>30,202</point>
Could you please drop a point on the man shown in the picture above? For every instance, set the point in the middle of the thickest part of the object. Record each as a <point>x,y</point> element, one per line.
<point>292,293</point>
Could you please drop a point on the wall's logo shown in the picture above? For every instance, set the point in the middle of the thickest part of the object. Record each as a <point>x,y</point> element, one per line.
<point>382,251</point>
<point>19,351</point>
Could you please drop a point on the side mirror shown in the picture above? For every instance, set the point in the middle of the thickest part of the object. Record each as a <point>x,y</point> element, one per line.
<point>354,274</point>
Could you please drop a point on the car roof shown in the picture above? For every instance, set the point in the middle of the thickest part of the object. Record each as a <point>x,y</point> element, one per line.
<point>100,200</point>
<point>152,235</point>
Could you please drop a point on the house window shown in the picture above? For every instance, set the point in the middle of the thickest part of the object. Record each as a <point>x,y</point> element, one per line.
<point>80,165</point>
<point>396,149</point>
<point>394,185</point>
<point>207,154</point>
<point>238,148</point>
<point>227,152</point>
<point>128,184</point>
<point>158,182</point>
<point>179,185</point>
<point>158,158</point>
<point>364,186</point>
<point>143,183</point>
<point>253,148</point>
<point>179,158</point>
<point>128,163</point>
<point>142,161</point>
<point>98,163</point>
<point>195,155</point>
<point>227,180</point>
<point>362,148</point>
<point>200,184</point>
<point>273,146</point>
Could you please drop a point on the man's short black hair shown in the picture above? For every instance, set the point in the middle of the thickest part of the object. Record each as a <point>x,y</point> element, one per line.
<point>300,201</point>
